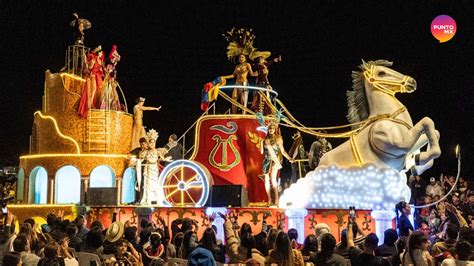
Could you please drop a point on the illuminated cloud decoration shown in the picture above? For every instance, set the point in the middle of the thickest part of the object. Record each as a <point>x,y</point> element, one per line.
<point>366,187</point>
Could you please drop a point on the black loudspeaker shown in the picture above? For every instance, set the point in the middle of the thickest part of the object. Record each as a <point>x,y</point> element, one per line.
<point>228,195</point>
<point>98,196</point>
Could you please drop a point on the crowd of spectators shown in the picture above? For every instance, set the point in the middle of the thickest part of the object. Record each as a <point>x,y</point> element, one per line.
<point>442,234</point>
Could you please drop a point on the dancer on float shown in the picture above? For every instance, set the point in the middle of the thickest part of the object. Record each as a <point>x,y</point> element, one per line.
<point>136,160</point>
<point>297,152</point>
<point>138,130</point>
<point>262,75</point>
<point>109,99</point>
<point>93,81</point>
<point>150,170</point>
<point>272,148</point>
<point>240,45</point>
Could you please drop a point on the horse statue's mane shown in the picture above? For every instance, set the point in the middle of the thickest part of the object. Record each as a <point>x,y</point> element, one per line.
<point>358,106</point>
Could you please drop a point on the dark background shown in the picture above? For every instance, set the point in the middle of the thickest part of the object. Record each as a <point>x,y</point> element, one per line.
<point>170,49</point>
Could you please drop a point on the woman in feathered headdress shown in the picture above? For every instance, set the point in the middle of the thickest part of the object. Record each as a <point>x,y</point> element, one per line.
<point>272,148</point>
<point>110,99</point>
<point>240,46</point>
<point>150,170</point>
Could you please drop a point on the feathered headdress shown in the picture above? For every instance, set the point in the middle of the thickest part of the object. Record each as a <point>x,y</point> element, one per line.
<point>152,135</point>
<point>271,120</point>
<point>240,42</point>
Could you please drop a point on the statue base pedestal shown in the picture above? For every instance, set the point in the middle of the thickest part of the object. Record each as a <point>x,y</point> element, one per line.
<point>383,221</point>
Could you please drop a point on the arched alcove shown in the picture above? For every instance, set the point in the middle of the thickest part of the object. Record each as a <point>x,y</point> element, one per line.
<point>128,185</point>
<point>102,176</point>
<point>68,185</point>
<point>38,186</point>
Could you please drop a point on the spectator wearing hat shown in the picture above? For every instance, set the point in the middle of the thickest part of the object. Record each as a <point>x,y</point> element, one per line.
<point>456,200</point>
<point>113,234</point>
<point>434,188</point>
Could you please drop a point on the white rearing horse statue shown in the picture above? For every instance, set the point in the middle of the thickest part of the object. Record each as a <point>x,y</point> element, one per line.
<point>387,135</point>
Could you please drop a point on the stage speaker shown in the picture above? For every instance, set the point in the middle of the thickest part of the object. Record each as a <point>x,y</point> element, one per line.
<point>228,195</point>
<point>98,196</point>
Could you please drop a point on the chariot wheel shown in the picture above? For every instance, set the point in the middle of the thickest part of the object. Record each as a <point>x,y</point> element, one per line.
<point>184,183</point>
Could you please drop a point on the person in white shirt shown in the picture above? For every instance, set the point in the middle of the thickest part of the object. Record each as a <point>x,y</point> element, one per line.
<point>434,188</point>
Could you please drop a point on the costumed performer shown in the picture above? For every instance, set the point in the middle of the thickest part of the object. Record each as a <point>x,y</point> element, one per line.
<point>150,170</point>
<point>174,149</point>
<point>97,73</point>
<point>297,152</point>
<point>317,150</point>
<point>240,45</point>
<point>138,130</point>
<point>137,157</point>
<point>272,148</point>
<point>93,81</point>
<point>109,100</point>
<point>262,76</point>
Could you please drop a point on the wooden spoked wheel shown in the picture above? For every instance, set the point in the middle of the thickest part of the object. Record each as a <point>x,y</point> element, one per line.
<point>184,183</point>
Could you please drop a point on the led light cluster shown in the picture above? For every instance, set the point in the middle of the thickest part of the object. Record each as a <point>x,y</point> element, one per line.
<point>365,187</point>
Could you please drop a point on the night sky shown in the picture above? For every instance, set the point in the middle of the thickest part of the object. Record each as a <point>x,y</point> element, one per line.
<point>170,49</point>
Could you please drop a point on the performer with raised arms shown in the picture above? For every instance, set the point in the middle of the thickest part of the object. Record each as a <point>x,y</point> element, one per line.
<point>138,130</point>
<point>241,46</point>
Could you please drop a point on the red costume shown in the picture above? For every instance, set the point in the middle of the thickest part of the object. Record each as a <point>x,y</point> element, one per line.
<point>93,83</point>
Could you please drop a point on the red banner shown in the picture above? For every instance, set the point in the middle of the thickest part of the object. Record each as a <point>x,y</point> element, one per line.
<point>229,146</point>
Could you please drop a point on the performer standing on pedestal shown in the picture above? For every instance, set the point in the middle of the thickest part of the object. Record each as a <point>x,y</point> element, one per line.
<point>93,81</point>
<point>150,170</point>
<point>138,130</point>
<point>138,161</point>
<point>109,99</point>
<point>240,45</point>
<point>262,77</point>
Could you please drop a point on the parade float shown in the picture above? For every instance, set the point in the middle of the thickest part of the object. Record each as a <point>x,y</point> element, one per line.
<point>81,143</point>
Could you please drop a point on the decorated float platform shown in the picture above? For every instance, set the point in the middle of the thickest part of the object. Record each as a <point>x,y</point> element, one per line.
<point>80,161</point>
<point>71,155</point>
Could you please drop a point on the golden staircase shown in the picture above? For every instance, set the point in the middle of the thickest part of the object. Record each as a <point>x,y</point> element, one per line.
<point>97,138</point>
